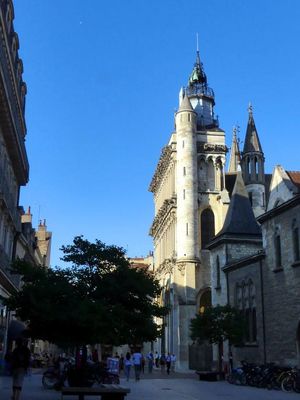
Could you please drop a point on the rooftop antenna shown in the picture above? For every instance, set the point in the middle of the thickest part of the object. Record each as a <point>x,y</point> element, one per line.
<point>197,37</point>
<point>198,55</point>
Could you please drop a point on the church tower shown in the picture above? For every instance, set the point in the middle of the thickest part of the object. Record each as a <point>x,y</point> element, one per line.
<point>190,208</point>
<point>253,167</point>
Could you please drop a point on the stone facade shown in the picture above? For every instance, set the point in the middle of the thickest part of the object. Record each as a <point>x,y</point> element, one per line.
<point>265,284</point>
<point>205,252</point>
<point>14,167</point>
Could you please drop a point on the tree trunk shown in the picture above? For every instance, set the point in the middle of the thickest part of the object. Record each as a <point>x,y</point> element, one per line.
<point>220,357</point>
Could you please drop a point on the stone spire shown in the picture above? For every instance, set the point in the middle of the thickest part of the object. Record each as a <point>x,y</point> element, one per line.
<point>235,155</point>
<point>240,219</point>
<point>185,104</point>
<point>252,143</point>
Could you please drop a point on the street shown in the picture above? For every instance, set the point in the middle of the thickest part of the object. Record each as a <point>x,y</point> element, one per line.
<point>158,387</point>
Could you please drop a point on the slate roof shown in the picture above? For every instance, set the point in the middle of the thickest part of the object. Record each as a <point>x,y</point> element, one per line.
<point>240,219</point>
<point>252,143</point>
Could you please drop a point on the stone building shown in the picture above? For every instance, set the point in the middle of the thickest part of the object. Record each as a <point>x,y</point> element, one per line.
<point>14,167</point>
<point>210,227</point>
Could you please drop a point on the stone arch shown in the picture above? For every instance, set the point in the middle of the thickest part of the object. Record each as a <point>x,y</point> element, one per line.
<point>204,299</point>
<point>202,173</point>
<point>211,173</point>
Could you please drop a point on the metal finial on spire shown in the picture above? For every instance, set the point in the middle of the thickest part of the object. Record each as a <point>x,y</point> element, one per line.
<point>198,62</point>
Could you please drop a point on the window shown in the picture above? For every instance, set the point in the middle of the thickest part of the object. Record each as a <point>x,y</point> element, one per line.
<point>277,245</point>
<point>218,273</point>
<point>205,301</point>
<point>207,227</point>
<point>296,247</point>
<point>245,300</point>
<point>187,229</point>
<point>184,171</point>
<point>183,194</point>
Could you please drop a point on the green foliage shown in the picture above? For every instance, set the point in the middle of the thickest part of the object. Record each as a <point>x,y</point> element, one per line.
<point>101,298</point>
<point>217,324</point>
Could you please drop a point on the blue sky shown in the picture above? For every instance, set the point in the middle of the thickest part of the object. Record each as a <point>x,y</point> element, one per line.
<point>103,81</point>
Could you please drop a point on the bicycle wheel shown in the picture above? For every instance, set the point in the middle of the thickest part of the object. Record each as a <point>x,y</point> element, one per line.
<point>287,384</point>
<point>49,380</point>
<point>230,378</point>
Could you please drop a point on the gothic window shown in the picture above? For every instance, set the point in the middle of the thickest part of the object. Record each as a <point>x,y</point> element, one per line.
<point>218,273</point>
<point>256,167</point>
<point>296,247</point>
<point>248,166</point>
<point>202,175</point>
<point>205,301</point>
<point>245,301</point>
<point>211,175</point>
<point>277,245</point>
<point>183,194</point>
<point>207,227</point>
<point>184,171</point>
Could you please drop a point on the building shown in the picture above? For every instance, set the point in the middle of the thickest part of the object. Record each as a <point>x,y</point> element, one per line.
<point>191,201</point>
<point>215,233</point>
<point>14,167</point>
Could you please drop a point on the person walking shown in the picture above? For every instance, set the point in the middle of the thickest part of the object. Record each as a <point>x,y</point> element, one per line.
<point>168,363</point>
<point>173,362</point>
<point>150,359</point>
<point>137,363</point>
<point>20,361</point>
<point>156,359</point>
<point>127,365</point>
<point>162,362</point>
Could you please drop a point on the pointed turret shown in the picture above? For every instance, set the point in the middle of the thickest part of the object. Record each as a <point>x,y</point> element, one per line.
<point>240,219</point>
<point>252,143</point>
<point>253,166</point>
<point>235,155</point>
<point>185,104</point>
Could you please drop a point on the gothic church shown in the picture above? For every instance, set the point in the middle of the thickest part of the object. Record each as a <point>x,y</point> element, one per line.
<point>224,237</point>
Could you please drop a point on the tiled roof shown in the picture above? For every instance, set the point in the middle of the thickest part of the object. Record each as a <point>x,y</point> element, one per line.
<point>294,177</point>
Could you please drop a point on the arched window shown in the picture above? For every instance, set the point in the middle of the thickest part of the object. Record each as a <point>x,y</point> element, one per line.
<point>245,300</point>
<point>207,227</point>
<point>296,246</point>
<point>256,167</point>
<point>205,300</point>
<point>211,175</point>
<point>277,245</point>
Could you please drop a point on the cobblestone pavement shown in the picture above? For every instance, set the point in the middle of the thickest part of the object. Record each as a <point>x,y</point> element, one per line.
<point>156,387</point>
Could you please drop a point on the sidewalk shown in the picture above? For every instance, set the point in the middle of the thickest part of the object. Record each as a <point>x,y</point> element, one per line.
<point>177,387</point>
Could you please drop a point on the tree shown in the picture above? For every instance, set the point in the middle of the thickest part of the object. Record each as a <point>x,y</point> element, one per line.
<point>101,298</point>
<point>217,324</point>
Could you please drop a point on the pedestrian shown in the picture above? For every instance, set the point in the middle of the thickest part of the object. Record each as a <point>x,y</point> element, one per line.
<point>121,363</point>
<point>127,364</point>
<point>143,364</point>
<point>230,361</point>
<point>150,359</point>
<point>168,363</point>
<point>20,360</point>
<point>162,362</point>
<point>137,363</point>
<point>173,362</point>
<point>156,359</point>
